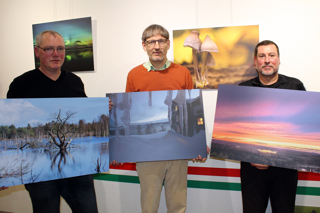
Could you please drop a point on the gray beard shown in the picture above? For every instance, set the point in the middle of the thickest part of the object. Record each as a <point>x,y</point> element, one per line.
<point>157,59</point>
<point>268,74</point>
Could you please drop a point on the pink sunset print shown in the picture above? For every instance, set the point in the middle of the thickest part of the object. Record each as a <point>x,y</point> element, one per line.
<point>274,127</point>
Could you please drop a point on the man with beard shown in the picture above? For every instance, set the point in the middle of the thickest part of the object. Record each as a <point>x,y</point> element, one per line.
<point>261,182</point>
<point>160,74</point>
<point>50,81</point>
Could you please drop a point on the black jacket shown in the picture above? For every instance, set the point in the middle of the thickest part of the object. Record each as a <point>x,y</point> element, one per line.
<point>284,82</point>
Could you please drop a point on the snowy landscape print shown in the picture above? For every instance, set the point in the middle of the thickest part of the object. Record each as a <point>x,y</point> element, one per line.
<point>157,125</point>
<point>52,138</point>
<point>275,127</point>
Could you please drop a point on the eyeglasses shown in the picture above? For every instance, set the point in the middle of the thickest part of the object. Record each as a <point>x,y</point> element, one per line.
<point>151,43</point>
<point>50,50</point>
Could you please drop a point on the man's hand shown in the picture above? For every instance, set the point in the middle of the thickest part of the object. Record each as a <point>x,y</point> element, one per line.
<point>199,158</point>
<point>260,166</point>
<point>3,188</point>
<point>110,104</point>
<point>115,163</point>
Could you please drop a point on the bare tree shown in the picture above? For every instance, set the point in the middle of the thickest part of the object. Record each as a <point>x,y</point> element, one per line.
<point>104,121</point>
<point>62,154</point>
<point>99,165</point>
<point>59,130</point>
<point>17,168</point>
<point>82,127</point>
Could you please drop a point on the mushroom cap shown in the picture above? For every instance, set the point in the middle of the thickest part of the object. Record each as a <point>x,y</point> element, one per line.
<point>193,40</point>
<point>210,60</point>
<point>208,45</point>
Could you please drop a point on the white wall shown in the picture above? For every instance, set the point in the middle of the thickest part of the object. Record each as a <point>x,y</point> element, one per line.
<point>117,29</point>
<point>118,25</point>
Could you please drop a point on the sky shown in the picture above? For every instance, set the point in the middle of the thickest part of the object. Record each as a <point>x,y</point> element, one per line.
<point>141,112</point>
<point>71,30</point>
<point>270,117</point>
<point>20,112</point>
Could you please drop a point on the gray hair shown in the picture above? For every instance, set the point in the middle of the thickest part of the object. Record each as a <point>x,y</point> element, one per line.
<point>153,30</point>
<point>39,36</point>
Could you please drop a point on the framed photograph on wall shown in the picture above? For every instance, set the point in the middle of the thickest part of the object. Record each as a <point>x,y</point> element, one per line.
<point>77,34</point>
<point>218,55</point>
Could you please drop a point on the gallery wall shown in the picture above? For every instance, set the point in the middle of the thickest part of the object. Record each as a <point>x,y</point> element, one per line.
<point>117,29</point>
<point>118,25</point>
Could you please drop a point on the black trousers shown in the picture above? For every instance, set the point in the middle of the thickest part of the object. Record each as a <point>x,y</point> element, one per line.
<point>257,186</point>
<point>78,192</point>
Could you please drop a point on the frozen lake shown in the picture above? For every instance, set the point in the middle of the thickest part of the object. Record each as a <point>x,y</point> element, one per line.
<point>88,155</point>
<point>166,145</point>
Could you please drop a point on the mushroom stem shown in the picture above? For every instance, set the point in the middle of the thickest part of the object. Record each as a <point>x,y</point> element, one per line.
<point>210,62</point>
<point>194,42</point>
<point>207,46</point>
<point>204,65</point>
<point>195,64</point>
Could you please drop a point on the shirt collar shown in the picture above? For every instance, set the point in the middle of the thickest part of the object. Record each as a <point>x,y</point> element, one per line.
<point>150,67</point>
<point>281,80</point>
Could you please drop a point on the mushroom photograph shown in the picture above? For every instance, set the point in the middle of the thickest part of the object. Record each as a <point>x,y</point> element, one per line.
<point>220,55</point>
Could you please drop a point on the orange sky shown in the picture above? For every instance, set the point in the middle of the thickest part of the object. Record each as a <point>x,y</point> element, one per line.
<point>269,117</point>
<point>267,134</point>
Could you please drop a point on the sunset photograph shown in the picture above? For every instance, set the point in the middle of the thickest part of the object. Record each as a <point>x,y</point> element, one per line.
<point>268,126</point>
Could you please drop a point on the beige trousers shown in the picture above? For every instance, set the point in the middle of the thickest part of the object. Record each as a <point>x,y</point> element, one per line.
<point>173,174</point>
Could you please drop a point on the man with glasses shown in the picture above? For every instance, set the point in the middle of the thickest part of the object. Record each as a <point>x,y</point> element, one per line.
<point>160,74</point>
<point>50,81</point>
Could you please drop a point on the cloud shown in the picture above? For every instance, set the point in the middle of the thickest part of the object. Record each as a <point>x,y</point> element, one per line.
<point>17,111</point>
<point>254,102</point>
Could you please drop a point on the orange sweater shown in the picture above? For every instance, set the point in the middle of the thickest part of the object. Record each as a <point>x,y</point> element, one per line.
<point>173,78</point>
